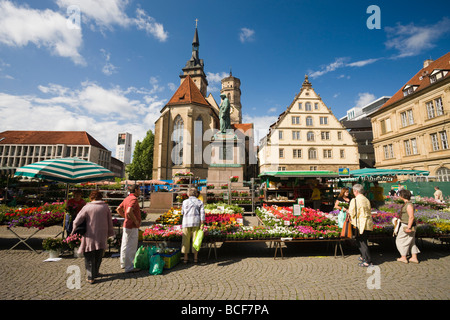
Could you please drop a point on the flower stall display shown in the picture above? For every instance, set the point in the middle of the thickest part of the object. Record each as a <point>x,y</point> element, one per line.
<point>34,217</point>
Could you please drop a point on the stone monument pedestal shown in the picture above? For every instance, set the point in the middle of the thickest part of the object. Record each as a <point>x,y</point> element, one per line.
<point>227,158</point>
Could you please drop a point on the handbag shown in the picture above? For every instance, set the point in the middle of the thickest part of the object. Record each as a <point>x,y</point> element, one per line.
<point>81,229</point>
<point>347,229</point>
<point>397,223</point>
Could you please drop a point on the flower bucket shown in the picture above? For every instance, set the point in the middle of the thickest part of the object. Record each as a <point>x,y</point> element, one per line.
<point>53,254</point>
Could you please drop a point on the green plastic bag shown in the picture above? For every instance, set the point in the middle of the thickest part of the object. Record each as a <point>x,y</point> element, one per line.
<point>156,264</point>
<point>141,260</point>
<point>198,239</point>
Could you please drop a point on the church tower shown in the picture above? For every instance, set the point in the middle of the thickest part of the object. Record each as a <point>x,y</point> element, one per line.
<point>194,66</point>
<point>231,86</point>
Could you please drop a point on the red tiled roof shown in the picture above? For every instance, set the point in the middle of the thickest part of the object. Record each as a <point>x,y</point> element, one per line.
<point>420,80</point>
<point>188,93</point>
<point>244,127</point>
<point>49,137</point>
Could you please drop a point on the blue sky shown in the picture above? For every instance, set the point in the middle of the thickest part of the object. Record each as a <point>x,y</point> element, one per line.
<point>116,67</point>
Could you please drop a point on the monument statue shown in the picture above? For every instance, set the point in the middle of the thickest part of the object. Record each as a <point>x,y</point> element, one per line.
<point>224,114</point>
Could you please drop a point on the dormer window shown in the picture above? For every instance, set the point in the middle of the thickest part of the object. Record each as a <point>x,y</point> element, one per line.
<point>409,89</point>
<point>437,75</point>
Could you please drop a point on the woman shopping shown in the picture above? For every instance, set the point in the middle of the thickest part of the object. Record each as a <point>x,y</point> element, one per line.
<point>406,240</point>
<point>193,217</point>
<point>341,204</point>
<point>98,228</point>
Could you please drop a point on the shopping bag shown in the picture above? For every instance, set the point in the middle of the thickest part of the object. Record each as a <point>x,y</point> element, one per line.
<point>141,260</point>
<point>347,230</point>
<point>156,264</point>
<point>341,218</point>
<point>198,239</point>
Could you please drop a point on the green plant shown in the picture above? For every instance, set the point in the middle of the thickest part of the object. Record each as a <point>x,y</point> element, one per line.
<point>50,244</point>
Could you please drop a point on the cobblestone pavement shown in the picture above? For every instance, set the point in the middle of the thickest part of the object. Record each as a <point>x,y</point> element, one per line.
<point>242,271</point>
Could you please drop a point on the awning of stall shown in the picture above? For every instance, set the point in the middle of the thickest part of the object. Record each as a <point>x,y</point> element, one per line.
<point>373,174</point>
<point>299,174</point>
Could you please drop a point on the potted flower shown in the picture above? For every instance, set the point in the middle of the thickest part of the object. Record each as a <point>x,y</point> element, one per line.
<point>53,246</point>
<point>234,179</point>
<point>73,242</point>
<point>210,186</point>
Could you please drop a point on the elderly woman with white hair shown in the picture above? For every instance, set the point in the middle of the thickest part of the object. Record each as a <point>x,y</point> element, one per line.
<point>193,217</point>
<point>361,218</point>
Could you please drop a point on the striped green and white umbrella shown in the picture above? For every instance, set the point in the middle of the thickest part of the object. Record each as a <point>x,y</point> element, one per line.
<point>68,170</point>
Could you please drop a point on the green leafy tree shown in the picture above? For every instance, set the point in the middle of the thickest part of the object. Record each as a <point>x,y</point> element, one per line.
<point>142,165</point>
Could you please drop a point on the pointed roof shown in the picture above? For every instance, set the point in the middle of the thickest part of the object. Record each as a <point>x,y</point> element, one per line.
<point>188,93</point>
<point>422,79</point>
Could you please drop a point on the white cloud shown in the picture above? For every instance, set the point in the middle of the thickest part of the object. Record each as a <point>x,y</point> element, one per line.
<point>411,40</point>
<point>108,68</point>
<point>102,112</point>
<point>21,25</point>
<point>364,99</point>
<point>362,63</point>
<point>246,35</point>
<point>104,13</point>
<point>339,63</point>
<point>216,77</point>
<point>144,22</point>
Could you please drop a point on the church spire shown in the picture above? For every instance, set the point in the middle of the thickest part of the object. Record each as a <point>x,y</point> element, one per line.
<point>194,66</point>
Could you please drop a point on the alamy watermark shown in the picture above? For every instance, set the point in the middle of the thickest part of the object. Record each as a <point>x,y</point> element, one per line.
<point>374,21</point>
<point>73,17</point>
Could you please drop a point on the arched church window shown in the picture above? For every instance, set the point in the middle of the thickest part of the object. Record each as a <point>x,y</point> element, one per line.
<point>312,153</point>
<point>443,174</point>
<point>198,140</point>
<point>177,138</point>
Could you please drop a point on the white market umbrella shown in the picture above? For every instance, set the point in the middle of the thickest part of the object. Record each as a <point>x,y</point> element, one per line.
<point>68,170</point>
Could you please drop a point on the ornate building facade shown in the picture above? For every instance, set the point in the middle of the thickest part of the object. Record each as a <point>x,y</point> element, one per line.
<point>307,137</point>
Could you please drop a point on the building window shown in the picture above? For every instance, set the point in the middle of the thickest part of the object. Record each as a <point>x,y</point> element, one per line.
<point>327,154</point>
<point>385,125</point>
<point>443,174</point>
<point>434,141</point>
<point>295,120</point>
<point>407,118</point>
<point>308,106</point>
<point>342,153</point>
<point>408,151</point>
<point>309,121</point>
<point>312,153</point>
<point>409,89</point>
<point>297,153</point>
<point>435,108</point>
<point>295,135</point>
<point>310,136</point>
<point>313,168</point>
<point>414,146</point>
<point>316,106</point>
<point>281,153</point>
<point>437,75</point>
<point>280,134</point>
<point>339,135</point>
<point>388,151</point>
<point>323,120</point>
<point>325,135</point>
<point>444,140</point>
<point>300,106</point>
<point>281,168</point>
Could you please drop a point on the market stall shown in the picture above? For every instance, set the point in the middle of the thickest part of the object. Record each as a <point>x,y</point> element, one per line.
<point>285,188</point>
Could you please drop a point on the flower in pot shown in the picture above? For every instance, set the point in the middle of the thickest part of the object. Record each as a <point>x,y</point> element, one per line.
<point>52,245</point>
<point>73,241</point>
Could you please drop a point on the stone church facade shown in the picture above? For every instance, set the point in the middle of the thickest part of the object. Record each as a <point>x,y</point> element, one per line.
<point>188,122</point>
